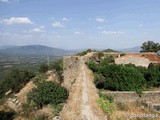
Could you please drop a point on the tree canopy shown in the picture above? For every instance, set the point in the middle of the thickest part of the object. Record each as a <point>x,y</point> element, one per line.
<point>15,79</point>
<point>150,46</point>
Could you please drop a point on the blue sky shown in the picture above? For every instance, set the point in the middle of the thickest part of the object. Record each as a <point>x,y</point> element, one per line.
<point>75,24</point>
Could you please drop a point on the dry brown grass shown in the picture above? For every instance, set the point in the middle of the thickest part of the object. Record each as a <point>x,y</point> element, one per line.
<point>93,96</point>
<point>22,95</point>
<point>75,104</point>
<point>132,108</point>
<point>72,110</point>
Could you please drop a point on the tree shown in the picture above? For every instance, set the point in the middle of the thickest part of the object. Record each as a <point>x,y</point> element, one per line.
<point>150,46</point>
<point>15,79</point>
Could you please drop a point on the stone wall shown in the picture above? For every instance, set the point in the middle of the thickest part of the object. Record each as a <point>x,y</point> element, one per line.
<point>133,60</point>
<point>108,54</point>
<point>152,96</point>
<point>70,70</point>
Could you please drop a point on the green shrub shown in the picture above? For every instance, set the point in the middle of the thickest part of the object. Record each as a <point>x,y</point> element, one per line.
<point>43,68</point>
<point>41,117</point>
<point>47,93</point>
<point>57,109</point>
<point>109,98</point>
<point>7,115</point>
<point>84,52</point>
<point>27,110</point>
<point>40,77</point>
<point>152,76</point>
<point>106,106</point>
<point>99,80</point>
<point>56,65</point>
<point>119,77</point>
<point>122,54</point>
<point>107,60</point>
<point>92,65</point>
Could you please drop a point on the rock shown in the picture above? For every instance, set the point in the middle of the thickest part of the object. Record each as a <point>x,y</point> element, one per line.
<point>57,118</point>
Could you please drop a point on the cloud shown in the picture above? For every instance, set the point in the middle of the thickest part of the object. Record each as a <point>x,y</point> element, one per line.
<point>9,1</point>
<point>58,24</point>
<point>78,33</point>
<point>38,30</point>
<point>112,32</point>
<point>65,19</point>
<point>16,20</point>
<point>100,20</point>
<point>4,1</point>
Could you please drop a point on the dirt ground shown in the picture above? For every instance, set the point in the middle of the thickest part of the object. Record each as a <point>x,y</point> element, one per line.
<point>82,103</point>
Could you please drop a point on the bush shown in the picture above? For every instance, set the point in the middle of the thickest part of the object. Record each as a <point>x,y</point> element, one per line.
<point>43,68</point>
<point>106,106</point>
<point>41,117</point>
<point>119,77</point>
<point>56,65</point>
<point>7,115</point>
<point>84,52</point>
<point>122,54</point>
<point>152,75</point>
<point>107,60</point>
<point>27,110</point>
<point>109,98</point>
<point>92,65</point>
<point>99,80</point>
<point>40,77</point>
<point>47,93</point>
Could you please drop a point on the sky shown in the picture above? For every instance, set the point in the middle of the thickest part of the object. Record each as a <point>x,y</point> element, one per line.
<point>79,24</point>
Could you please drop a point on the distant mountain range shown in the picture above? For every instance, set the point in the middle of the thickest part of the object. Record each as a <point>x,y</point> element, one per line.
<point>45,50</point>
<point>134,49</point>
<point>34,50</point>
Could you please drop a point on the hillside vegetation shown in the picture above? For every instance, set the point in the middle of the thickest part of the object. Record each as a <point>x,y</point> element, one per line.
<point>49,94</point>
<point>124,77</point>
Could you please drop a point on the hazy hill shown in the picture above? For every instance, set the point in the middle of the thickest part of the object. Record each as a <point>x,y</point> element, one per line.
<point>34,50</point>
<point>6,46</point>
<point>134,49</point>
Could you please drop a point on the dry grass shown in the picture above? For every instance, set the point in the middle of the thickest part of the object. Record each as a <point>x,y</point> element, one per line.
<point>22,95</point>
<point>132,108</point>
<point>93,96</point>
<point>72,110</point>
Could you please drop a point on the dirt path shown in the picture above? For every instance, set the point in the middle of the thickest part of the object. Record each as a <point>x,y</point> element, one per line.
<point>82,102</point>
<point>87,113</point>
